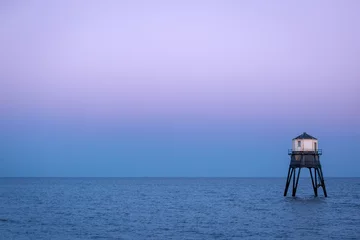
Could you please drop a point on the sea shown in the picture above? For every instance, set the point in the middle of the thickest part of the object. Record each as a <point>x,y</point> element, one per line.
<point>177,208</point>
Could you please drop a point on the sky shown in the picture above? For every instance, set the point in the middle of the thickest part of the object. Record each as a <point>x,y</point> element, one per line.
<point>177,88</point>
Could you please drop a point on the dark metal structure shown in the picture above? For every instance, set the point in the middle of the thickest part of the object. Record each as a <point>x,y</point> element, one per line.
<point>305,159</point>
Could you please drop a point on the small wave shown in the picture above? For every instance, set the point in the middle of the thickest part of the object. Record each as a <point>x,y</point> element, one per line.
<point>3,220</point>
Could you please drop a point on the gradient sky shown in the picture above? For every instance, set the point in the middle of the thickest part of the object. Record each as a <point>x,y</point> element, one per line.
<point>177,88</point>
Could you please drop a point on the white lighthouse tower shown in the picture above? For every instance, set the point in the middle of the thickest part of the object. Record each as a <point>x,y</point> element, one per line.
<point>305,154</point>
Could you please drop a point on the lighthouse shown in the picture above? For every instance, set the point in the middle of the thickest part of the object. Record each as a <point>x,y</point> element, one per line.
<point>305,154</point>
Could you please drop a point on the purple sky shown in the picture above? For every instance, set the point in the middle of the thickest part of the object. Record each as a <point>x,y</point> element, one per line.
<point>291,64</point>
<point>212,58</point>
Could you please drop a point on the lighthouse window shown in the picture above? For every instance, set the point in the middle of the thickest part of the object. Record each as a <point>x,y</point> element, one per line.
<point>299,143</point>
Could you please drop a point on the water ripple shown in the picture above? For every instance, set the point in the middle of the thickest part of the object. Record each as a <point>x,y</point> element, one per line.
<point>175,208</point>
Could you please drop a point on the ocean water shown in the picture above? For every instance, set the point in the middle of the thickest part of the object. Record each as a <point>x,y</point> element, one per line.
<point>176,208</point>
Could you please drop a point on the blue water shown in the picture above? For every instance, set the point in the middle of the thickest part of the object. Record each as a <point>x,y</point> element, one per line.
<point>176,208</point>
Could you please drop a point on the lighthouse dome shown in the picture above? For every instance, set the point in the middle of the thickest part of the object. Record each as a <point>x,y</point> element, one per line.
<point>304,142</point>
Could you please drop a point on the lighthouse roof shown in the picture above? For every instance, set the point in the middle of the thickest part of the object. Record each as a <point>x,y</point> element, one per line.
<point>304,136</point>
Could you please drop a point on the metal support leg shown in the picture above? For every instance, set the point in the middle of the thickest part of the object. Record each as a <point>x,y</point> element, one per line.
<point>295,184</point>
<point>316,187</point>
<point>288,180</point>
<point>322,181</point>
<point>313,183</point>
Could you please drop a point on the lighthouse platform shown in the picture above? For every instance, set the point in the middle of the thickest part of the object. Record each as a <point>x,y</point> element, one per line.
<point>305,159</point>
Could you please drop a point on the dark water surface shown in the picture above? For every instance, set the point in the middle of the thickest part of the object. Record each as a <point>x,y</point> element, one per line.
<point>176,208</point>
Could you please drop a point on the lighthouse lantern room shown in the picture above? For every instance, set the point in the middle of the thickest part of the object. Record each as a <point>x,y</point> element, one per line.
<point>304,142</point>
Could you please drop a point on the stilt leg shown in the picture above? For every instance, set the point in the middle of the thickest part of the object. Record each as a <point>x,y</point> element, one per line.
<point>288,180</point>
<point>316,187</point>
<point>295,184</point>
<point>312,182</point>
<point>322,181</point>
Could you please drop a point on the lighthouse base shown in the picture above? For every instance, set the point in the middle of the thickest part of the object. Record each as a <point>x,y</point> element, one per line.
<point>317,179</point>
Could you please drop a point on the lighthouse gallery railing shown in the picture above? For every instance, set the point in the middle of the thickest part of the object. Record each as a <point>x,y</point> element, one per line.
<point>317,151</point>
